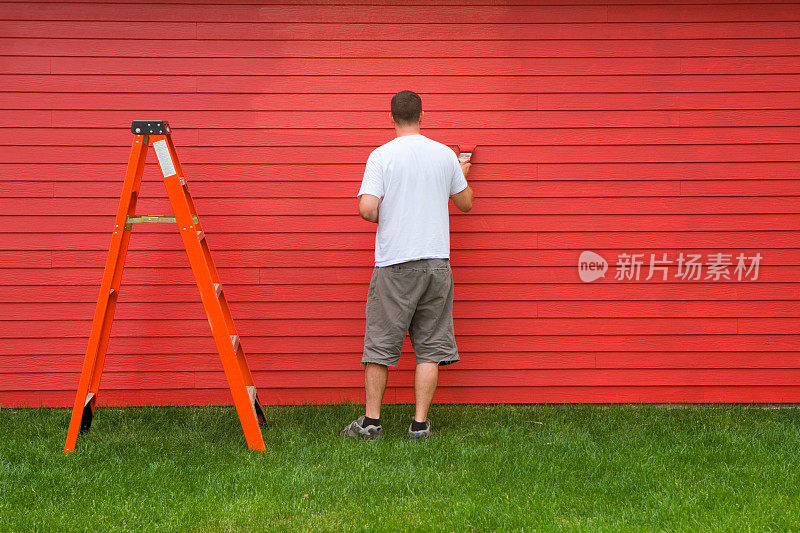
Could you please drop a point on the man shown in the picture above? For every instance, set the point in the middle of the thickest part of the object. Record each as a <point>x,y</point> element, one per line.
<point>405,190</point>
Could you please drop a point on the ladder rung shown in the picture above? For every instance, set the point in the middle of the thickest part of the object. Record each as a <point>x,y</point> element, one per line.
<point>87,414</point>
<point>131,219</point>
<point>235,342</point>
<point>134,219</point>
<point>218,289</point>
<point>150,218</point>
<point>254,403</point>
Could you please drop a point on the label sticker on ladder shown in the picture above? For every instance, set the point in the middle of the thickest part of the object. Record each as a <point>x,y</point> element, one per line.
<point>164,160</point>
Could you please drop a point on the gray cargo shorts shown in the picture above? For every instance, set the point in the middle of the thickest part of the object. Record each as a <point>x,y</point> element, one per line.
<point>415,297</point>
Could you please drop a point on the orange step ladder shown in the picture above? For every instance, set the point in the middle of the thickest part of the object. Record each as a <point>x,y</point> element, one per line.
<point>240,381</point>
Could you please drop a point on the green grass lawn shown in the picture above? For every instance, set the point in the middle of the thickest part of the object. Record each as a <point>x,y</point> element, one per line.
<point>628,467</point>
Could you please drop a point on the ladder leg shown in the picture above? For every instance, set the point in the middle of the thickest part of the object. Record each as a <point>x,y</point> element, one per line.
<point>89,384</point>
<point>230,327</point>
<point>234,364</point>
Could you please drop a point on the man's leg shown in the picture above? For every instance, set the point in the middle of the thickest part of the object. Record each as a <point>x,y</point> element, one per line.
<point>432,335</point>
<point>425,378</point>
<point>375,376</point>
<point>391,299</point>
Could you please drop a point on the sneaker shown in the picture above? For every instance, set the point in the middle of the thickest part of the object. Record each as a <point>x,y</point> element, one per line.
<point>422,433</point>
<point>356,429</point>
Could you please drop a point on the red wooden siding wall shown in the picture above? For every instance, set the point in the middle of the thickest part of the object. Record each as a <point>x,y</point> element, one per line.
<point>636,127</point>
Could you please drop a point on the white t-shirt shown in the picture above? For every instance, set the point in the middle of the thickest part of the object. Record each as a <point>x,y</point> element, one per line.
<point>415,176</point>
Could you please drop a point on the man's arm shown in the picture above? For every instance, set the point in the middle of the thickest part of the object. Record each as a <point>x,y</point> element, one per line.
<point>371,191</point>
<point>464,199</point>
<point>368,207</point>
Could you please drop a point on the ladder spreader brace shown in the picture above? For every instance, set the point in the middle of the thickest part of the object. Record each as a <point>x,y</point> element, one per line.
<point>240,381</point>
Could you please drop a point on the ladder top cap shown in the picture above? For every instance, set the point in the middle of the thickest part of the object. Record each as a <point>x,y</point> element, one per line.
<point>150,127</point>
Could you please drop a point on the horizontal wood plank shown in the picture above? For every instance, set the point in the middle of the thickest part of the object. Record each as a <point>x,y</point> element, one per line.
<point>533,46</point>
<point>345,327</point>
<point>468,343</point>
<point>486,240</point>
<point>374,136</point>
<point>552,394</point>
<point>436,83</point>
<point>721,291</point>
<point>130,310</point>
<point>469,361</point>
<point>450,378</point>
<point>351,223</point>
<point>528,172</point>
<point>490,154</point>
<point>181,275</point>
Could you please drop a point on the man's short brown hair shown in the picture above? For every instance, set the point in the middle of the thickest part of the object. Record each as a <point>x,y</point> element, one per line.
<point>406,108</point>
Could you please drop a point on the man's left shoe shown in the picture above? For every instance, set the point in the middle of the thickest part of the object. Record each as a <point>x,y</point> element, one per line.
<point>357,429</point>
<point>422,433</point>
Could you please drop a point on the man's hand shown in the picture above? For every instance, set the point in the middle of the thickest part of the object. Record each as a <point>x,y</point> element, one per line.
<point>465,167</point>
<point>368,207</point>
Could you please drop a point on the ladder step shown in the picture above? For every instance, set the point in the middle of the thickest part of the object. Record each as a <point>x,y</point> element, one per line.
<point>251,391</point>
<point>150,218</point>
<point>257,408</point>
<point>132,219</point>
<point>87,414</point>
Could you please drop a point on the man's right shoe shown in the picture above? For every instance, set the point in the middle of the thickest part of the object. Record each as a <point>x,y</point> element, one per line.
<point>422,433</point>
<point>357,429</point>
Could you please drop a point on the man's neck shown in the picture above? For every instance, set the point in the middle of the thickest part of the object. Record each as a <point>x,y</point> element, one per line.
<point>402,131</point>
